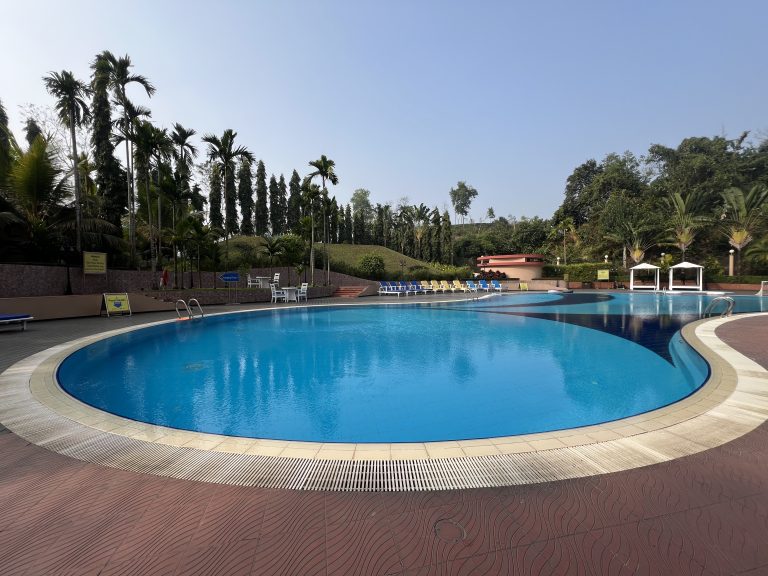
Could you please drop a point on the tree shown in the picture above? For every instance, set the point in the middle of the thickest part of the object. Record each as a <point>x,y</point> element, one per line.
<point>224,152</point>
<point>119,78</point>
<point>635,238</point>
<point>261,216</point>
<point>745,215</point>
<point>214,199</point>
<point>275,216</point>
<point>461,198</point>
<point>684,219</point>
<point>245,196</point>
<point>325,168</point>
<point>293,213</point>
<point>109,179</point>
<point>348,225</point>
<point>446,239</point>
<point>5,146</point>
<point>490,214</point>
<point>435,234</point>
<point>420,218</point>
<point>311,195</point>
<point>31,131</point>
<point>282,204</point>
<point>73,111</point>
<point>362,213</point>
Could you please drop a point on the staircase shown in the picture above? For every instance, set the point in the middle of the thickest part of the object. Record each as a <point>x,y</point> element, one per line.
<point>348,291</point>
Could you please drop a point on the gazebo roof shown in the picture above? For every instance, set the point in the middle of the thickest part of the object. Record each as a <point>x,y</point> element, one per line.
<point>686,265</point>
<point>644,266</point>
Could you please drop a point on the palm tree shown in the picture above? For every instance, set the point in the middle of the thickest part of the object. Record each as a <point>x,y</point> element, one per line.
<point>272,247</point>
<point>325,168</point>
<point>634,239</point>
<point>36,193</point>
<point>223,151</point>
<point>119,78</point>
<point>744,216</point>
<point>73,111</point>
<point>685,219</point>
<point>310,195</point>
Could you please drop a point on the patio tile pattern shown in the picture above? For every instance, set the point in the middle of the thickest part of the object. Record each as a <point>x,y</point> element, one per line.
<point>701,514</point>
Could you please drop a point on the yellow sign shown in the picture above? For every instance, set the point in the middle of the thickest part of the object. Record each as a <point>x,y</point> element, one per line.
<point>94,263</point>
<point>117,304</point>
<point>603,274</point>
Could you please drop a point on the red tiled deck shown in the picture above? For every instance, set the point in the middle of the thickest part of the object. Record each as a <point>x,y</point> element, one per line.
<point>702,514</point>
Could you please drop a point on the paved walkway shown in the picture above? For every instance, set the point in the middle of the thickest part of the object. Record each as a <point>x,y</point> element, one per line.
<point>702,514</point>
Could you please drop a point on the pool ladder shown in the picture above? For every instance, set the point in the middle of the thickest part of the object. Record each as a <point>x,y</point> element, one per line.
<point>186,307</point>
<point>729,304</point>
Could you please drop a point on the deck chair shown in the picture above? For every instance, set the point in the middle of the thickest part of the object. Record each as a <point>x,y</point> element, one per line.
<point>278,294</point>
<point>445,286</point>
<point>436,286</point>
<point>471,286</point>
<point>457,285</point>
<point>524,286</point>
<point>484,285</point>
<point>302,293</point>
<point>426,287</point>
<point>496,285</point>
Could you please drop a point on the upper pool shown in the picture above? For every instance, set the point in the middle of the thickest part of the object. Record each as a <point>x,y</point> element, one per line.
<point>502,366</point>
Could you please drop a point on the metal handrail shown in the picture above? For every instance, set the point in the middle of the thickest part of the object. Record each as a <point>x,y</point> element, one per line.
<point>715,301</point>
<point>194,300</point>
<point>186,307</point>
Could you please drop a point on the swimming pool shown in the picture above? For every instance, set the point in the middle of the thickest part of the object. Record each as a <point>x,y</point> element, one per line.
<point>413,373</point>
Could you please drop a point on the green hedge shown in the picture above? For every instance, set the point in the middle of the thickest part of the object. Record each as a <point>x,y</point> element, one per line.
<point>738,279</point>
<point>583,272</point>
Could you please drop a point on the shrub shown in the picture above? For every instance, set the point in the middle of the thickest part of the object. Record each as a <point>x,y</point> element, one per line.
<point>371,266</point>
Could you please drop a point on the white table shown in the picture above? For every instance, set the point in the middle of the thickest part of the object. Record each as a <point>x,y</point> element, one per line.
<point>290,293</point>
<point>261,281</point>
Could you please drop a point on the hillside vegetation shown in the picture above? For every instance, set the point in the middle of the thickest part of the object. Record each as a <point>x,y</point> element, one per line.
<point>346,258</point>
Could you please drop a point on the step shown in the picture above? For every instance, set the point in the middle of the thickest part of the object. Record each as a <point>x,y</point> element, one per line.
<point>349,291</point>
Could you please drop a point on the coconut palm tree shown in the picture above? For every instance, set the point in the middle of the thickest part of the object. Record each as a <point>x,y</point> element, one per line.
<point>325,169</point>
<point>420,215</point>
<point>223,151</point>
<point>745,215</point>
<point>119,78</point>
<point>70,94</point>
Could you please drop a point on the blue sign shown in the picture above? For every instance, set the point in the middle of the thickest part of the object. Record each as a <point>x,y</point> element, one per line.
<point>230,277</point>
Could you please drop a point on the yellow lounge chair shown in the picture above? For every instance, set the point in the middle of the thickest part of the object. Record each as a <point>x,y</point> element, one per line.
<point>459,286</point>
<point>426,287</point>
<point>444,286</point>
<point>523,285</point>
<point>435,285</point>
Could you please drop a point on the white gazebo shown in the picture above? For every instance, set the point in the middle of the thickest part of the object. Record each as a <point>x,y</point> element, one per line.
<point>644,266</point>
<point>687,266</point>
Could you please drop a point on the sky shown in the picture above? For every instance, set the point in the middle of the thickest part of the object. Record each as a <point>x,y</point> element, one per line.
<point>409,97</point>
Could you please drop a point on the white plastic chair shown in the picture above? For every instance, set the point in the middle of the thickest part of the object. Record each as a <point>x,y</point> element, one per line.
<point>253,283</point>
<point>276,279</point>
<point>302,293</point>
<point>278,294</point>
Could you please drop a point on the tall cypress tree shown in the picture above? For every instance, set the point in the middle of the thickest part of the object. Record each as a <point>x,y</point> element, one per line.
<point>293,212</point>
<point>446,239</point>
<point>230,190</point>
<point>214,198</point>
<point>435,239</point>
<point>110,179</point>
<point>333,222</point>
<point>261,213</point>
<point>274,206</point>
<point>348,224</point>
<point>245,196</point>
<point>283,194</point>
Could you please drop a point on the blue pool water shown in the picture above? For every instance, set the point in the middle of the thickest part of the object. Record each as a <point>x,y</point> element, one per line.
<point>508,365</point>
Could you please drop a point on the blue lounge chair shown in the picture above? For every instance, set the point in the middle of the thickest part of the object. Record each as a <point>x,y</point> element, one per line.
<point>416,287</point>
<point>16,319</point>
<point>471,286</point>
<point>496,285</point>
<point>406,288</point>
<point>484,285</point>
<point>386,288</point>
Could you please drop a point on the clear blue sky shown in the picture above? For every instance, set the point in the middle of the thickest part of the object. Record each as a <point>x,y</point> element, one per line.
<point>408,97</point>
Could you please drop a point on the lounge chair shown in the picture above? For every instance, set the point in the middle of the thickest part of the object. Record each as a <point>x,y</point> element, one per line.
<point>426,287</point>
<point>302,293</point>
<point>471,286</point>
<point>436,286</point>
<point>483,285</point>
<point>278,294</point>
<point>406,288</point>
<point>416,287</point>
<point>445,286</point>
<point>524,286</point>
<point>16,319</point>
<point>459,286</point>
<point>496,285</point>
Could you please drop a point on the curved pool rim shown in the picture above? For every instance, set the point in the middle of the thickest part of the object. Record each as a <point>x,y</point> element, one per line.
<point>37,410</point>
<point>344,444</point>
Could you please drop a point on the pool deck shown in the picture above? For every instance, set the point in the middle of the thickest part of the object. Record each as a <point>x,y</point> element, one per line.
<point>706,513</point>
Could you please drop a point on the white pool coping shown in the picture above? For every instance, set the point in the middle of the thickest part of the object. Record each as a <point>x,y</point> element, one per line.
<point>731,403</point>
